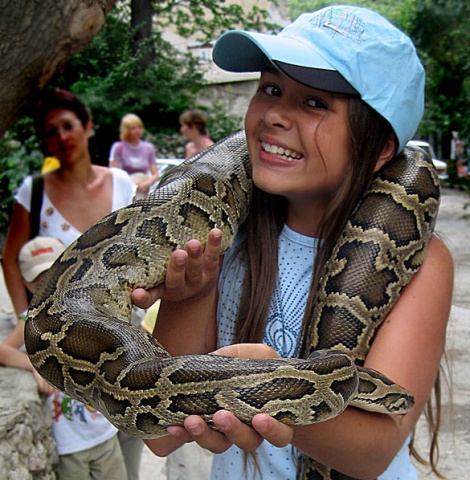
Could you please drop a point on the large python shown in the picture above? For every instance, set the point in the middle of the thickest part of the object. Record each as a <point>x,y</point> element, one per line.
<point>79,337</point>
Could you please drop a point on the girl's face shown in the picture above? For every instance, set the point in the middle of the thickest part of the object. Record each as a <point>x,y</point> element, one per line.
<point>299,142</point>
<point>134,133</point>
<point>189,131</point>
<point>65,136</point>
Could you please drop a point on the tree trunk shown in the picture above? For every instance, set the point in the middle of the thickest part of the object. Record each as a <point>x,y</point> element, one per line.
<point>37,39</point>
<point>141,24</point>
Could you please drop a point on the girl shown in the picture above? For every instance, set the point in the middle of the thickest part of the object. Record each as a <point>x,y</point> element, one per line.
<point>194,128</point>
<point>134,155</point>
<point>340,94</point>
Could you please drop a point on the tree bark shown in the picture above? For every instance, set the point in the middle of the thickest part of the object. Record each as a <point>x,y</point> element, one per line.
<point>37,38</point>
<point>141,24</point>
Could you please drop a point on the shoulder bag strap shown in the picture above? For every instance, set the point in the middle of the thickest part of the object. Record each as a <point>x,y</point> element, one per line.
<point>36,204</point>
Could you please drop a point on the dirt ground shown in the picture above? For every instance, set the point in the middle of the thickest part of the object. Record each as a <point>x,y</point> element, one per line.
<point>454,226</point>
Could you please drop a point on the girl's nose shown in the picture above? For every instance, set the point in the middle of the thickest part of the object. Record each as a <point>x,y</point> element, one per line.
<point>279,115</point>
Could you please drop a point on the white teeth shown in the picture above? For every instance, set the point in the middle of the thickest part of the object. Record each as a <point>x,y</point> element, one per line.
<point>282,152</point>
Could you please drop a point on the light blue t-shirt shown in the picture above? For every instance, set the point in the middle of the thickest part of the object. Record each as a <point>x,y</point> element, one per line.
<point>295,261</point>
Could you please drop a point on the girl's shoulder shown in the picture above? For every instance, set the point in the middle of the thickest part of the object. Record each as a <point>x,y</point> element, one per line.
<point>147,145</point>
<point>119,175</point>
<point>439,253</point>
<point>434,281</point>
<point>102,172</point>
<point>118,145</point>
<point>208,141</point>
<point>124,188</point>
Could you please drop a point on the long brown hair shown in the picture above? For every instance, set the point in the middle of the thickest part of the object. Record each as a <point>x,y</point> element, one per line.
<point>369,133</point>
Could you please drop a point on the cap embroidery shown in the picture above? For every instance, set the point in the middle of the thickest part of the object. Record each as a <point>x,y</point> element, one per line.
<point>343,23</point>
<point>333,27</point>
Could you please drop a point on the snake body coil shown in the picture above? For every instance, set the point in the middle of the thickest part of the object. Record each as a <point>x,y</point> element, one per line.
<point>79,338</point>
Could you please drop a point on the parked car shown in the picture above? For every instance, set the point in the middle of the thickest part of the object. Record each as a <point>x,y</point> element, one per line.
<point>439,165</point>
<point>164,165</point>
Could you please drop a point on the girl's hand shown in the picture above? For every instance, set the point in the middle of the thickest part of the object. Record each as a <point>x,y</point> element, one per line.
<point>191,273</point>
<point>43,386</point>
<point>248,350</point>
<point>232,430</point>
<point>142,188</point>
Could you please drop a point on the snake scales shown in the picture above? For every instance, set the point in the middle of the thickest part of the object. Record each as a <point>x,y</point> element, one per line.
<point>79,338</point>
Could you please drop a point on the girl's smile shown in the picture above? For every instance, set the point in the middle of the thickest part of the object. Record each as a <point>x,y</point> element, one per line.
<point>281,152</point>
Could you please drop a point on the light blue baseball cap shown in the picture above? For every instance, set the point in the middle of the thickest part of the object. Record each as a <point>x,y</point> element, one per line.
<point>343,49</point>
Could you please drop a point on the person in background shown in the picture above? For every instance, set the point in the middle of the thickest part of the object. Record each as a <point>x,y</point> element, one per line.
<point>87,444</point>
<point>341,93</point>
<point>194,128</point>
<point>35,258</point>
<point>75,196</point>
<point>134,155</point>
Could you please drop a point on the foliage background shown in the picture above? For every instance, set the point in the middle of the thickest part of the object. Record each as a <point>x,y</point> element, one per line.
<point>129,66</point>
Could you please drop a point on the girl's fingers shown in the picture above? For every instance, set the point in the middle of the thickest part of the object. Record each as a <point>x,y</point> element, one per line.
<point>146,298</point>
<point>195,266</point>
<point>273,431</point>
<point>190,273</point>
<point>213,246</point>
<point>233,432</point>
<point>204,263</point>
<point>196,429</point>
<point>247,350</point>
<point>237,432</point>
<point>176,271</point>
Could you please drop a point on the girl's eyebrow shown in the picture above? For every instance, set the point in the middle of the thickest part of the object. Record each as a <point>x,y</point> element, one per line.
<point>270,68</point>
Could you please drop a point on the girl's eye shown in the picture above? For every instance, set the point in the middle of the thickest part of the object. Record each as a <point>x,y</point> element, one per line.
<point>317,104</point>
<point>66,127</point>
<point>271,90</point>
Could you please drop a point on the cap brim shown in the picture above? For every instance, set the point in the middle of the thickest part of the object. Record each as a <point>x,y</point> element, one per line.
<point>240,51</point>
<point>35,271</point>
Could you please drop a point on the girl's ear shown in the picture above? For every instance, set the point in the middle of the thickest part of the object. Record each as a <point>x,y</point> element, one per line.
<point>89,129</point>
<point>388,152</point>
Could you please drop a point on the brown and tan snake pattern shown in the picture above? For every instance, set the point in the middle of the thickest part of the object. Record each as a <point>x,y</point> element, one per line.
<point>79,337</point>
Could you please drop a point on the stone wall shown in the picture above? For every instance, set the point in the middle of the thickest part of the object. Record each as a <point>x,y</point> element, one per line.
<point>27,449</point>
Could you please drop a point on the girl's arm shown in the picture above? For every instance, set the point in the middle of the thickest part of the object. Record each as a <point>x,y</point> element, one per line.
<point>115,155</point>
<point>408,349</point>
<point>189,296</point>
<point>18,234</point>
<point>153,173</point>
<point>144,186</point>
<point>186,317</point>
<point>11,356</point>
